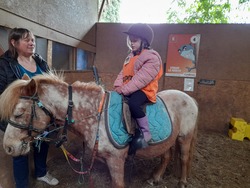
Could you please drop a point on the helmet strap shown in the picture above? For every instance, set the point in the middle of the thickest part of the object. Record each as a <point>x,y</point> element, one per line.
<point>144,45</point>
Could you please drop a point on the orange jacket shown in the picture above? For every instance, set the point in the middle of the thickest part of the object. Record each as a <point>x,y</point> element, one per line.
<point>141,72</point>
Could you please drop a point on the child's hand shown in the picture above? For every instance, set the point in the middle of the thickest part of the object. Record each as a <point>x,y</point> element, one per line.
<point>118,90</point>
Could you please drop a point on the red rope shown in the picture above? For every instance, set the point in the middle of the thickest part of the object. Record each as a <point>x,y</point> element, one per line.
<point>95,149</point>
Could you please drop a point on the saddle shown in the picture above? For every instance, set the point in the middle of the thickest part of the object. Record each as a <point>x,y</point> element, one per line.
<point>132,128</point>
<point>122,128</point>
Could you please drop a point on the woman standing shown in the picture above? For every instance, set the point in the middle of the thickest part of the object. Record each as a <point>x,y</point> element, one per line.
<point>18,60</point>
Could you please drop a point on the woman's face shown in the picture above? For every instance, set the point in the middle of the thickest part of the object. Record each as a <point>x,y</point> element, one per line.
<point>135,43</point>
<point>26,45</point>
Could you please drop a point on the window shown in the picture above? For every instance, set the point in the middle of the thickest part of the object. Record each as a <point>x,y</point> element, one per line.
<point>62,56</point>
<point>85,60</point>
<point>4,32</point>
<point>41,47</point>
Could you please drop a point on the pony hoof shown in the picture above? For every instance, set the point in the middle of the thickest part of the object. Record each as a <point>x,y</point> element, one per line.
<point>152,182</point>
<point>182,184</point>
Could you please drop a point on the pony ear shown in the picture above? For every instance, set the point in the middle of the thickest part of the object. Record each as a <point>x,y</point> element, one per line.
<point>30,89</point>
<point>25,77</point>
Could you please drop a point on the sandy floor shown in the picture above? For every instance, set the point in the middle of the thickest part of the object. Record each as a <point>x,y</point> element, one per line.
<point>219,162</point>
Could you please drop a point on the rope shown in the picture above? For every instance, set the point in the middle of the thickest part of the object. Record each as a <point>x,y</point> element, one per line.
<point>39,141</point>
<point>95,149</point>
<point>81,177</point>
<point>67,156</point>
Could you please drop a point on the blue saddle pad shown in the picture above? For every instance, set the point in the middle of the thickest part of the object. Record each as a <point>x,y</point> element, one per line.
<point>160,124</point>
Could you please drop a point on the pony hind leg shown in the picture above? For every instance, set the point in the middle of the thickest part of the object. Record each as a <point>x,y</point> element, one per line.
<point>185,156</point>
<point>159,171</point>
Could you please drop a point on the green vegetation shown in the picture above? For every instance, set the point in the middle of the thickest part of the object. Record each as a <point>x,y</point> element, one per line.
<point>110,11</point>
<point>182,11</point>
<point>200,11</point>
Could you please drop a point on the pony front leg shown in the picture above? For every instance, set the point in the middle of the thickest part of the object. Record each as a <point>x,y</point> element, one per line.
<point>158,173</point>
<point>116,169</point>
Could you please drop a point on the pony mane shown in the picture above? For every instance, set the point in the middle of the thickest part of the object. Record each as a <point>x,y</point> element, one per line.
<point>9,98</point>
<point>88,86</point>
<point>50,78</point>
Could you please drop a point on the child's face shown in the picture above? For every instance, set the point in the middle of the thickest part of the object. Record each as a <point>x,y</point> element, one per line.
<point>135,43</point>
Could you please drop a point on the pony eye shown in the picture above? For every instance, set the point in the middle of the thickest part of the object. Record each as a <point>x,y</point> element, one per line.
<point>18,116</point>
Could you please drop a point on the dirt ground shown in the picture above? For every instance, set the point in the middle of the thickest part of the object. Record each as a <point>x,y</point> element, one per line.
<point>219,162</point>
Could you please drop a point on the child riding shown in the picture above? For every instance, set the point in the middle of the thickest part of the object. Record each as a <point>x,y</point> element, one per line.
<point>139,77</point>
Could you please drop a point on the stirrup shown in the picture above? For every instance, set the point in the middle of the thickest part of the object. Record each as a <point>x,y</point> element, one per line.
<point>138,142</point>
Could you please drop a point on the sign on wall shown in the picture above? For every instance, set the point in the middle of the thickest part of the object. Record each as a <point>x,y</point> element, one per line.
<point>182,55</point>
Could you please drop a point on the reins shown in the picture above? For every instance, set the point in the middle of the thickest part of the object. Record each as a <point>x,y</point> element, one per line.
<point>95,149</point>
<point>68,118</point>
<point>69,121</point>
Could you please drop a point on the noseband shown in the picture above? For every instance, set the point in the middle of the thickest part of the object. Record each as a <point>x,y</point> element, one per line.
<point>30,128</point>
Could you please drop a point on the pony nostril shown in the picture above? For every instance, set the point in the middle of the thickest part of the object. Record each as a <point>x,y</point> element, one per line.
<point>9,150</point>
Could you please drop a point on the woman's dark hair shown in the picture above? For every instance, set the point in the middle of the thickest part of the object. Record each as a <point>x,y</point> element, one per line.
<point>16,34</point>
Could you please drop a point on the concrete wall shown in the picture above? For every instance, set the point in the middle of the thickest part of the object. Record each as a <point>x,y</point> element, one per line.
<point>223,56</point>
<point>67,22</point>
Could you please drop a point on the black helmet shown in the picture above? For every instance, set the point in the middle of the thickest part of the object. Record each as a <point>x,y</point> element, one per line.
<point>143,31</point>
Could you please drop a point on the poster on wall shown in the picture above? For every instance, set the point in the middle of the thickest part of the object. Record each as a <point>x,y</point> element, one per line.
<point>182,55</point>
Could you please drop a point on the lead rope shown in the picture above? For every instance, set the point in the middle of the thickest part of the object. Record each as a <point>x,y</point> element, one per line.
<point>95,149</point>
<point>81,177</point>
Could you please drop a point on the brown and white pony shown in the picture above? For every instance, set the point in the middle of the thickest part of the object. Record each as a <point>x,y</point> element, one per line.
<point>19,105</point>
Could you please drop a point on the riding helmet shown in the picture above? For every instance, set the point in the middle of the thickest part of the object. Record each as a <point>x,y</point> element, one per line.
<point>143,31</point>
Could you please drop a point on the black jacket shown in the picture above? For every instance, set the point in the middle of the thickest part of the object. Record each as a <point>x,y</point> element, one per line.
<point>10,71</point>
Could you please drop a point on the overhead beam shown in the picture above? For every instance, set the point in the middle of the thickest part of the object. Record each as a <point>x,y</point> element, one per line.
<point>10,20</point>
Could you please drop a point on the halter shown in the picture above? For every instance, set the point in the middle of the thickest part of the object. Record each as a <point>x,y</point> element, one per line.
<point>30,127</point>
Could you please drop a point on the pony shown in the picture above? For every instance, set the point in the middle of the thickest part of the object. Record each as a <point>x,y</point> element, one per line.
<point>31,106</point>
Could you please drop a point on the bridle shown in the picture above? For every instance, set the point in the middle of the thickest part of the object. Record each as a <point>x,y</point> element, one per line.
<point>30,128</point>
<point>68,121</point>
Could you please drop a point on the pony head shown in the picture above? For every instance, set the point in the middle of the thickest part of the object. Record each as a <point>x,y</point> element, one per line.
<point>19,107</point>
